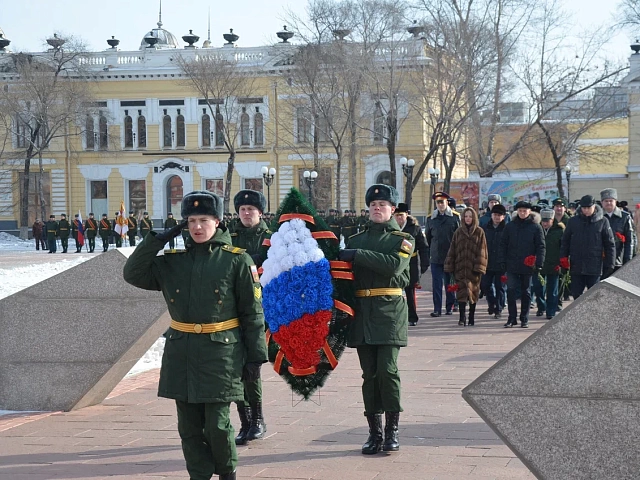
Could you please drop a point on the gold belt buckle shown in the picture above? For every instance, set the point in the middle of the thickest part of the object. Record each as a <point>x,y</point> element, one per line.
<point>197,328</point>
<point>367,293</point>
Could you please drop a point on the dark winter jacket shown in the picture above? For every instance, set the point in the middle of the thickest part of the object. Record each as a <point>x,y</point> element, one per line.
<point>421,250</point>
<point>621,224</point>
<point>485,219</point>
<point>520,239</point>
<point>553,241</point>
<point>439,232</point>
<point>585,240</point>
<point>37,229</point>
<point>494,237</point>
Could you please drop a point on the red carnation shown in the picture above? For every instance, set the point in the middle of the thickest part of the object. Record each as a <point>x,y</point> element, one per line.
<point>452,288</point>
<point>564,263</point>
<point>530,261</point>
<point>503,279</point>
<point>621,237</point>
<point>557,268</point>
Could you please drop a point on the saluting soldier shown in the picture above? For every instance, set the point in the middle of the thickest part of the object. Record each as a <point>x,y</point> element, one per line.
<point>132,223</point>
<point>91,231</point>
<point>250,234</point>
<point>146,225</point>
<point>169,223</point>
<point>64,229</point>
<point>104,229</point>
<point>52,233</point>
<point>380,257</point>
<point>216,338</point>
<point>75,227</point>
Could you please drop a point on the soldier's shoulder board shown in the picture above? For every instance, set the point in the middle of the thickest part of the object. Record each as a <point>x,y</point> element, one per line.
<point>175,250</point>
<point>402,234</point>
<point>356,234</point>
<point>234,234</point>
<point>232,249</point>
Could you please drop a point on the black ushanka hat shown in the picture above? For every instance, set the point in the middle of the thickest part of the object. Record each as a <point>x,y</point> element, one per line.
<point>380,191</point>
<point>250,197</point>
<point>201,203</point>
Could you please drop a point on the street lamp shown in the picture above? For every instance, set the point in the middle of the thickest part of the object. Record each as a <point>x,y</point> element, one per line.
<point>567,172</point>
<point>309,179</point>
<point>407,169</point>
<point>267,176</point>
<point>434,173</point>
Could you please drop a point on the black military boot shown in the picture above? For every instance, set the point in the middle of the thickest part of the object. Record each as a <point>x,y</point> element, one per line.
<point>463,318</point>
<point>472,314</point>
<point>258,428</point>
<point>228,476</point>
<point>244,411</point>
<point>391,443</point>
<point>374,443</point>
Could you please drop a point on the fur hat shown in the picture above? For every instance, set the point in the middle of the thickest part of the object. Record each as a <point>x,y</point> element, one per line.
<point>402,208</point>
<point>587,201</point>
<point>609,193</point>
<point>499,209</point>
<point>201,203</point>
<point>495,197</point>
<point>250,197</point>
<point>380,191</point>
<point>547,214</point>
<point>523,204</point>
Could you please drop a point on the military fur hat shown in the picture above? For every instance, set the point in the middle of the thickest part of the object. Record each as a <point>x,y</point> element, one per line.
<point>495,197</point>
<point>452,202</point>
<point>609,193</point>
<point>201,203</point>
<point>63,215</point>
<point>380,191</point>
<point>52,216</point>
<point>499,209</point>
<point>250,197</point>
<point>402,208</point>
<point>523,204</point>
<point>547,214</point>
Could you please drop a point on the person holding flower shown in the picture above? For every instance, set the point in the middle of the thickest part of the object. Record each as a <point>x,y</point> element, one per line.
<point>492,285</point>
<point>622,226</point>
<point>467,261</point>
<point>521,255</point>
<point>547,294</point>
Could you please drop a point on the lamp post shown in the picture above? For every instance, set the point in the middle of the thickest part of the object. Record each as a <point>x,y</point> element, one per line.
<point>267,175</point>
<point>567,172</point>
<point>309,179</point>
<point>434,173</point>
<point>407,169</point>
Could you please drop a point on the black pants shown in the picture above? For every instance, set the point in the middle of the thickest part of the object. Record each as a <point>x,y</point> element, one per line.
<point>91,241</point>
<point>40,241</point>
<point>132,240</point>
<point>518,288</point>
<point>580,282</point>
<point>411,303</point>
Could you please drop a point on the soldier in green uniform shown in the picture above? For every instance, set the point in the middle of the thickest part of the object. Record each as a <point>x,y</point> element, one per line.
<point>75,226</point>
<point>169,223</point>
<point>251,231</point>
<point>91,232</point>
<point>362,220</point>
<point>216,338</point>
<point>132,223</point>
<point>333,221</point>
<point>380,257</point>
<point>349,224</point>
<point>117,237</point>
<point>104,229</point>
<point>146,225</point>
<point>52,233</point>
<point>64,229</point>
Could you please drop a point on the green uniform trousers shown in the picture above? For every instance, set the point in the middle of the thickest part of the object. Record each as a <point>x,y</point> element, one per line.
<point>132,239</point>
<point>252,393</point>
<point>208,442</point>
<point>64,242</point>
<point>381,379</point>
<point>105,243</point>
<point>118,240</point>
<point>92,243</point>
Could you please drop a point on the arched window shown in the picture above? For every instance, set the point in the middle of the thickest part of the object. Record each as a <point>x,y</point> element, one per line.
<point>181,130</point>
<point>128,132</point>
<point>89,133</point>
<point>384,177</point>
<point>142,132</point>
<point>206,129</point>
<point>219,128</point>
<point>258,127</point>
<point>166,131</point>
<point>245,129</point>
<point>378,124</point>
<point>104,133</point>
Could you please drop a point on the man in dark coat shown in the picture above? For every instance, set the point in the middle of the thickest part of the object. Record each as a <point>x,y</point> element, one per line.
<point>64,230</point>
<point>132,232</point>
<point>91,231</point>
<point>250,234</point>
<point>104,229</point>
<point>441,226</point>
<point>333,221</point>
<point>621,225</point>
<point>38,231</point>
<point>380,257</point>
<point>146,225</point>
<point>588,246</point>
<point>216,337</point>
<point>491,284</point>
<point>169,223</point>
<point>410,225</point>
<point>493,200</point>
<point>522,238</point>
<point>52,233</point>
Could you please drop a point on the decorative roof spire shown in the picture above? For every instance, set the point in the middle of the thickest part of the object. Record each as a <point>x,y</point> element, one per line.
<point>207,42</point>
<point>160,16</point>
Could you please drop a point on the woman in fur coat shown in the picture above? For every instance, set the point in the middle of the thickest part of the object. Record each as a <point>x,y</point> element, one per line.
<point>467,260</point>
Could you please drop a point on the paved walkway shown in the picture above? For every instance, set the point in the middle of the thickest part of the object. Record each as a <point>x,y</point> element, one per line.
<point>132,435</point>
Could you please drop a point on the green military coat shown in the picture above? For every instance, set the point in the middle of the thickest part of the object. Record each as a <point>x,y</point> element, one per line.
<point>52,230</point>
<point>208,283</point>
<point>170,223</point>
<point>146,226</point>
<point>132,223</point>
<point>381,261</point>
<point>553,241</point>
<point>104,228</point>
<point>251,238</point>
<point>64,228</point>
<point>91,228</point>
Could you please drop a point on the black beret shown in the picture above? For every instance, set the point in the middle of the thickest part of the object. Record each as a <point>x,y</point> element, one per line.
<point>201,203</point>
<point>440,195</point>
<point>499,209</point>
<point>250,197</point>
<point>523,204</point>
<point>380,191</point>
<point>402,208</point>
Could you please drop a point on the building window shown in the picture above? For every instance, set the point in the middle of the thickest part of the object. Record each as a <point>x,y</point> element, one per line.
<point>166,131</point>
<point>174,194</point>
<point>89,133</point>
<point>219,128</point>
<point>142,132</point>
<point>303,126</point>
<point>378,125</point>
<point>206,129</point>
<point>253,184</point>
<point>37,197</point>
<point>245,129</point>
<point>137,196</point>
<point>21,133</point>
<point>182,134</point>
<point>258,127</point>
<point>104,132</point>
<point>322,124</point>
<point>99,201</point>
<point>215,185</point>
<point>128,132</point>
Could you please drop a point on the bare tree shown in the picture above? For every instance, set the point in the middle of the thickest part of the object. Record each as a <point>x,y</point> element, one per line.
<point>225,87</point>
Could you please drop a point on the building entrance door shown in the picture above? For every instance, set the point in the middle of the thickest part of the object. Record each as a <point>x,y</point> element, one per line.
<point>174,196</point>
